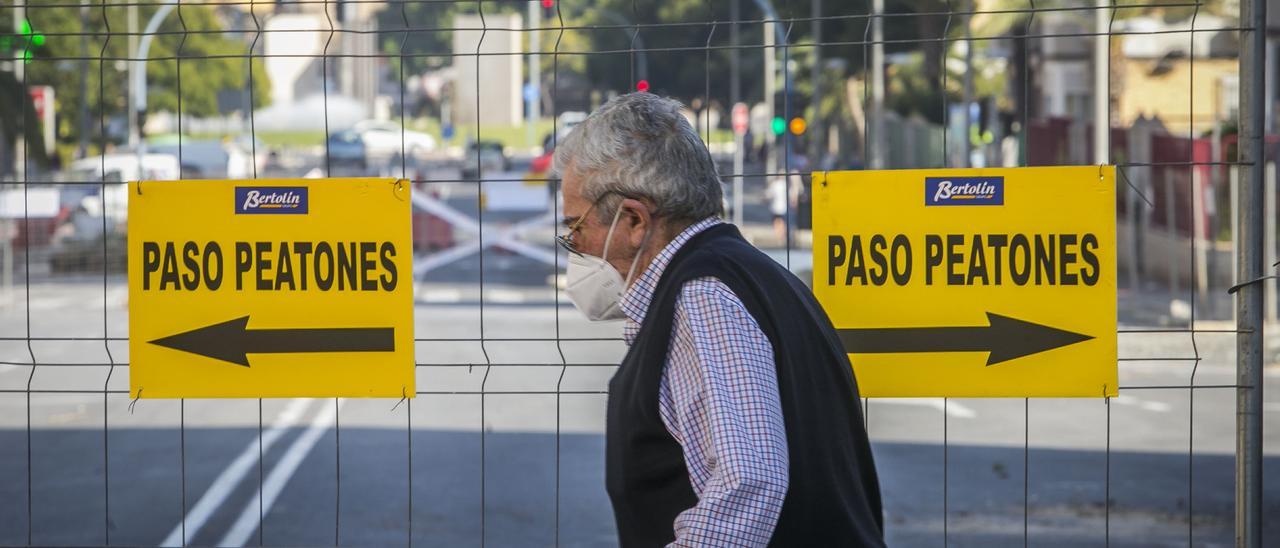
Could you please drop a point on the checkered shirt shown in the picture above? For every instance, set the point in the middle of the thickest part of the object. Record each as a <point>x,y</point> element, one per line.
<point>718,398</point>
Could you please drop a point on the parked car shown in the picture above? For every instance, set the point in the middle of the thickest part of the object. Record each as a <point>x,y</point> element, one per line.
<point>77,232</point>
<point>568,120</point>
<point>384,140</point>
<point>213,158</point>
<point>375,143</point>
<point>124,166</point>
<point>347,147</point>
<point>542,164</point>
<point>488,156</point>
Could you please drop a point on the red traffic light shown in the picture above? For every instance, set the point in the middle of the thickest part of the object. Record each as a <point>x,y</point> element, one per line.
<point>548,4</point>
<point>642,85</point>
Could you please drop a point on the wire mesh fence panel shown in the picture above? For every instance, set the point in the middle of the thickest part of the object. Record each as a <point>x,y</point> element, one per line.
<point>502,442</point>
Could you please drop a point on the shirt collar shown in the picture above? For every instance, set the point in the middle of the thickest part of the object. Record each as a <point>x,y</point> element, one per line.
<point>635,302</point>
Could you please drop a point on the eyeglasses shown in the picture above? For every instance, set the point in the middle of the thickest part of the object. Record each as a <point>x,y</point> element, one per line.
<point>566,240</point>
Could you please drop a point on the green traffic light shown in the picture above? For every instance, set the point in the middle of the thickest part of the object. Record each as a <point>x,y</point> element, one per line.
<point>779,125</point>
<point>32,40</point>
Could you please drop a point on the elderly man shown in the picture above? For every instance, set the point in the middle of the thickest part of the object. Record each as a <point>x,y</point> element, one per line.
<point>734,418</point>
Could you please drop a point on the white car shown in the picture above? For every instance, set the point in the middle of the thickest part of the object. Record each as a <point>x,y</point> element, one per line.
<point>383,140</point>
<point>570,119</point>
<point>126,166</point>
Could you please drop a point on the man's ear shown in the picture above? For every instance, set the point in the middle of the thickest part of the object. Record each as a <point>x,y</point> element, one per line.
<point>636,217</point>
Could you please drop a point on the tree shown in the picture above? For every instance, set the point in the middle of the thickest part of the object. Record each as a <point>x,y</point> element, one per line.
<point>212,60</point>
<point>687,49</point>
<point>680,66</point>
<point>423,31</point>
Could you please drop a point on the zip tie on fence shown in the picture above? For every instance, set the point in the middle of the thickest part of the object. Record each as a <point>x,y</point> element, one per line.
<point>404,396</point>
<point>137,397</point>
<point>1125,177</point>
<point>1237,287</point>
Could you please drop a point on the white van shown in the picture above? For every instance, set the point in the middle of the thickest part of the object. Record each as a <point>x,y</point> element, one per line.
<point>121,167</point>
<point>112,168</point>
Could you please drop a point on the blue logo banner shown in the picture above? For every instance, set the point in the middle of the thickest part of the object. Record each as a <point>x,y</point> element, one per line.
<point>963,191</point>
<point>271,200</point>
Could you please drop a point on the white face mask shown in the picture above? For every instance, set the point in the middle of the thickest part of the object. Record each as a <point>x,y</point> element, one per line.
<point>594,285</point>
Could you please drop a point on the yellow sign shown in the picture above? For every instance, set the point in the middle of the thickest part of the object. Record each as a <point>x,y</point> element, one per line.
<point>270,288</point>
<point>971,282</point>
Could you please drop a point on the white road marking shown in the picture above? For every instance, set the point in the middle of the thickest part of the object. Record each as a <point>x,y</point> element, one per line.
<point>504,296</point>
<point>440,296</point>
<point>233,475</point>
<point>52,303</point>
<point>249,518</point>
<point>952,408</point>
<point>1145,405</point>
<point>118,296</point>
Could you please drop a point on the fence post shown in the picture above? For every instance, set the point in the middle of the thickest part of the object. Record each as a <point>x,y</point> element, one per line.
<point>1269,240</point>
<point>1249,253</point>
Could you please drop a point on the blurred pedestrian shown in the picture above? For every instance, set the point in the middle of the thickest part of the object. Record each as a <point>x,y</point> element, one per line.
<point>784,195</point>
<point>734,419</point>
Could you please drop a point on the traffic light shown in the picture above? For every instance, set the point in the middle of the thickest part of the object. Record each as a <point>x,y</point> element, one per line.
<point>26,41</point>
<point>779,125</point>
<point>548,8</point>
<point>798,126</point>
<point>642,85</point>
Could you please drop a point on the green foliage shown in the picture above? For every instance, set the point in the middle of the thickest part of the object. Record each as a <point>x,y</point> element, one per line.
<point>425,35</point>
<point>210,61</point>
<point>90,43</point>
<point>600,43</point>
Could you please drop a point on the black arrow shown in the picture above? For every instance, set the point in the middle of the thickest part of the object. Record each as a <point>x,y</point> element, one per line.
<point>1005,338</point>
<point>230,341</point>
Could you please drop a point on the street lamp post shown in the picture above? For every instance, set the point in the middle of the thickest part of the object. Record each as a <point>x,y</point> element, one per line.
<point>773,36</point>
<point>19,74</point>
<point>139,87</point>
<point>533,101</point>
<point>876,140</point>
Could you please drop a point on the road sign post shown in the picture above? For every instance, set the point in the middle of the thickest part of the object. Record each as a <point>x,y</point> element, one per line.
<point>270,288</point>
<point>971,282</point>
<point>741,119</point>
<point>42,98</point>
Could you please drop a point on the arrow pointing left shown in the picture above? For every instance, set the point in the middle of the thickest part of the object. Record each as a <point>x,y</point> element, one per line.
<point>232,341</point>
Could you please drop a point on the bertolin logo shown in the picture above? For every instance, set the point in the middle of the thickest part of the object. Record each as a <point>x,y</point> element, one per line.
<point>960,191</point>
<point>271,199</point>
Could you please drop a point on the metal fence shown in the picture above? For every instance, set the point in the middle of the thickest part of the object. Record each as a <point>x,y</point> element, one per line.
<point>503,443</point>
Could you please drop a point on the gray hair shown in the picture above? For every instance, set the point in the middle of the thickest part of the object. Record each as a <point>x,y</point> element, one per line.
<point>638,145</point>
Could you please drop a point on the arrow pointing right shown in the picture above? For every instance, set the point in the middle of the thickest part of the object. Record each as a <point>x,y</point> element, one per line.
<point>1004,337</point>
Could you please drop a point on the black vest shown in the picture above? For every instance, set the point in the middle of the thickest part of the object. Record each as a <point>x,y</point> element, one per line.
<point>833,496</point>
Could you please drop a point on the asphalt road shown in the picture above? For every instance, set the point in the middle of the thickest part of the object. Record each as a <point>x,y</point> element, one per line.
<point>521,464</point>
